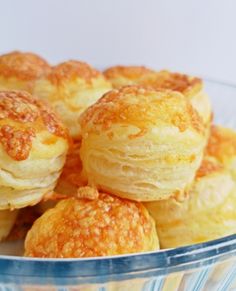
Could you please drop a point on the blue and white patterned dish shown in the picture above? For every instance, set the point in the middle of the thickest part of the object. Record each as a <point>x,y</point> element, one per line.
<point>207,266</point>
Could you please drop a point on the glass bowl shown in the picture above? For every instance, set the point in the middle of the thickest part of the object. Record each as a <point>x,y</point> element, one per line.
<point>206,266</point>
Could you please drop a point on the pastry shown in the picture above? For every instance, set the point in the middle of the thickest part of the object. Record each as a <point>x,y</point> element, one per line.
<point>96,225</point>
<point>19,71</point>
<point>33,147</point>
<point>120,76</point>
<point>207,213</point>
<point>191,87</point>
<point>222,146</point>
<point>71,87</point>
<point>141,144</point>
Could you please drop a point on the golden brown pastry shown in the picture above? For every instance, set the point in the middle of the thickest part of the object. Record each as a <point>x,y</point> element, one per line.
<point>120,76</point>
<point>99,225</point>
<point>18,70</point>
<point>33,147</point>
<point>222,146</point>
<point>191,87</point>
<point>71,87</point>
<point>141,144</point>
<point>7,220</point>
<point>207,213</point>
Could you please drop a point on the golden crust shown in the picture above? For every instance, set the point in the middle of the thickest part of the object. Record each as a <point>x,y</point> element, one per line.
<point>222,143</point>
<point>190,87</point>
<point>147,107</point>
<point>222,146</point>
<point>70,88</point>
<point>178,82</point>
<point>88,228</point>
<point>208,167</point>
<point>23,66</point>
<point>131,72</point>
<point>139,75</point>
<point>71,70</point>
<point>128,75</point>
<point>21,118</point>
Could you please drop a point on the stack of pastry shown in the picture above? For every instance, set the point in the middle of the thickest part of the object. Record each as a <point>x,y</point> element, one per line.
<point>134,164</point>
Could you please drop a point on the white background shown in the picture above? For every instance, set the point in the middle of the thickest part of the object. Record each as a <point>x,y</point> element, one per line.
<point>194,36</point>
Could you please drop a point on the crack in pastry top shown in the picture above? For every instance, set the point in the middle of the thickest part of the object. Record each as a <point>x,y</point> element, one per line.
<point>21,118</point>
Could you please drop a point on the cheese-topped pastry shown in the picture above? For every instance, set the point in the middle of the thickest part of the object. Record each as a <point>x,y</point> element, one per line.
<point>191,87</point>
<point>33,147</point>
<point>222,146</point>
<point>7,220</point>
<point>120,76</point>
<point>19,70</point>
<point>142,144</point>
<point>71,87</point>
<point>207,213</point>
<point>96,225</point>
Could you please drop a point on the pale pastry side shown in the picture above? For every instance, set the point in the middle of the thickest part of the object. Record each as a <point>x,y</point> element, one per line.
<point>102,226</point>
<point>207,213</point>
<point>33,147</point>
<point>142,144</point>
<point>71,87</point>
